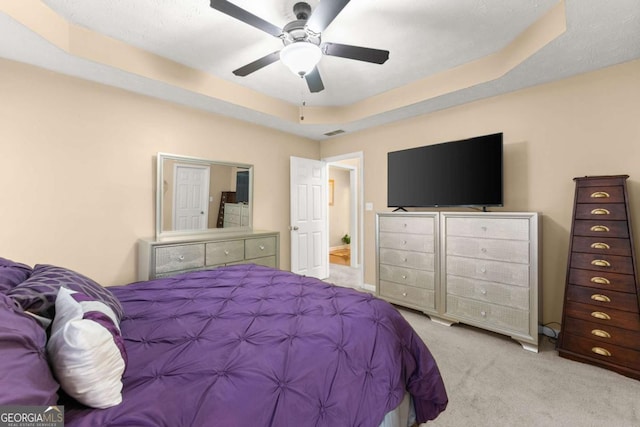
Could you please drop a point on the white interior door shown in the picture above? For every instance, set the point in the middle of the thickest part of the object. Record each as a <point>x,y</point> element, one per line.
<point>309,224</point>
<point>191,197</point>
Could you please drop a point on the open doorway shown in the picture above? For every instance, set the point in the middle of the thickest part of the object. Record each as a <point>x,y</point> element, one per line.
<point>345,217</point>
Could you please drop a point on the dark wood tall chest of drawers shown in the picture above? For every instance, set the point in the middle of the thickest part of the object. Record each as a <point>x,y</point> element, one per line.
<point>601,314</point>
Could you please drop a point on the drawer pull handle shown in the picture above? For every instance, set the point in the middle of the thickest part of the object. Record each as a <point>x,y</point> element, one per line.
<point>404,225</point>
<point>404,294</point>
<point>181,258</point>
<point>404,242</point>
<point>261,247</point>
<point>483,313</point>
<point>600,195</point>
<point>601,263</point>
<point>600,297</point>
<point>600,211</point>
<point>404,260</point>
<point>600,315</point>
<point>226,252</point>
<point>600,280</point>
<point>601,351</point>
<point>600,333</point>
<point>483,291</point>
<point>404,276</point>
<point>600,229</point>
<point>600,245</point>
<point>483,270</point>
<point>483,250</point>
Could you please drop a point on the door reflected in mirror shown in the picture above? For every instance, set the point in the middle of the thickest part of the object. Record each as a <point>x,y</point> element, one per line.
<point>201,196</point>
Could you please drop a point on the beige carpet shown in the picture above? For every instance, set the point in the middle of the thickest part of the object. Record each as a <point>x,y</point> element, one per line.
<point>492,381</point>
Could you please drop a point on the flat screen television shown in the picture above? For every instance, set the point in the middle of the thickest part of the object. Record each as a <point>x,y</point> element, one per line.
<point>457,173</point>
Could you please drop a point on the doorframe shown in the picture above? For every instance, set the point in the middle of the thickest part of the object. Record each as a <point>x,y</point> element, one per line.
<point>358,212</point>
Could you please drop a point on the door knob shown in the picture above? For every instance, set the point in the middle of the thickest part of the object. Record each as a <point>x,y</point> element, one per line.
<point>294,228</point>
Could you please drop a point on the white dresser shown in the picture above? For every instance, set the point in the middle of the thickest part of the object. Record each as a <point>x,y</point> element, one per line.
<point>236,215</point>
<point>169,257</point>
<point>486,269</point>
<point>407,260</point>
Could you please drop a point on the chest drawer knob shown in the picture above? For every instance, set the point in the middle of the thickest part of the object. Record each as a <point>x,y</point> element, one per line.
<point>181,258</point>
<point>601,263</point>
<point>404,294</point>
<point>226,251</point>
<point>600,245</point>
<point>600,333</point>
<point>483,313</point>
<point>600,298</point>
<point>600,280</point>
<point>404,276</point>
<point>600,315</point>
<point>600,211</point>
<point>600,229</point>
<point>483,291</point>
<point>600,195</point>
<point>261,247</point>
<point>601,351</point>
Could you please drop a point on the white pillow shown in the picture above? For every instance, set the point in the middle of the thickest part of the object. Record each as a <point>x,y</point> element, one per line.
<point>86,350</point>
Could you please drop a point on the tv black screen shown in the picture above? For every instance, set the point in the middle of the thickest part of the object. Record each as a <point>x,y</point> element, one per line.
<point>457,173</point>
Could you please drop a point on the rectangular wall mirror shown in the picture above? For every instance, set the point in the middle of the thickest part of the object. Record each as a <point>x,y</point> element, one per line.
<point>199,196</point>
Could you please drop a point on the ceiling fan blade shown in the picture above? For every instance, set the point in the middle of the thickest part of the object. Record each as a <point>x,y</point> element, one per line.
<point>248,18</point>
<point>324,14</point>
<point>314,81</point>
<point>358,53</point>
<point>257,64</point>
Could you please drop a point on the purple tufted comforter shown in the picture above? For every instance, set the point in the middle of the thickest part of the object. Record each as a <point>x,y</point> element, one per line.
<point>250,346</point>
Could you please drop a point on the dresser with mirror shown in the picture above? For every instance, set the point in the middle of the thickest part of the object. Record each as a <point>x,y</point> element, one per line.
<point>193,231</point>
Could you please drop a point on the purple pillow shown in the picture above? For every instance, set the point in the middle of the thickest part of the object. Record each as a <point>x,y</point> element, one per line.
<point>38,293</point>
<point>25,373</point>
<point>12,274</point>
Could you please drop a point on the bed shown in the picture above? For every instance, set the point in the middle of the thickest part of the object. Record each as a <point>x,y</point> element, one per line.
<point>242,345</point>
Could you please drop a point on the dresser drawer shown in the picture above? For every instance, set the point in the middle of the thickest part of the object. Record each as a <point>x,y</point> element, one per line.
<point>602,316</point>
<point>597,350</point>
<point>408,295</point>
<point>407,276</point>
<point>584,227</point>
<point>418,260</point>
<point>257,248</point>
<point>179,257</point>
<point>606,263</point>
<point>496,293</point>
<point>602,280</point>
<point>602,245</point>
<point>493,228</point>
<point>225,252</point>
<point>406,224</point>
<point>491,271</point>
<point>605,299</point>
<point>597,211</point>
<point>486,314</point>
<point>268,261</point>
<point>602,333</point>
<point>407,242</point>
<point>601,194</point>
<point>500,250</point>
<point>232,209</point>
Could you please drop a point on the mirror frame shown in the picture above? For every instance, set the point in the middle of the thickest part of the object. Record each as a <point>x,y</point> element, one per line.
<point>163,234</point>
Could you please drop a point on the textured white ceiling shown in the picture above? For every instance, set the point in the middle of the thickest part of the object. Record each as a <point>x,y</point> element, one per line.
<point>424,37</point>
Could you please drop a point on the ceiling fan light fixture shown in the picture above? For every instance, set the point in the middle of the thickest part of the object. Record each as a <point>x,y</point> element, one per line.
<point>301,57</point>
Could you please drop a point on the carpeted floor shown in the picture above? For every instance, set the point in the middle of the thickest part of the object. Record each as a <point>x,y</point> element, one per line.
<point>492,381</point>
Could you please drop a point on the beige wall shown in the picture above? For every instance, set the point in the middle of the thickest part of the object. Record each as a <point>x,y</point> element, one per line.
<point>78,169</point>
<point>585,125</point>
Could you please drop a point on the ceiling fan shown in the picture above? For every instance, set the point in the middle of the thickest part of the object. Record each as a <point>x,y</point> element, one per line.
<point>303,46</point>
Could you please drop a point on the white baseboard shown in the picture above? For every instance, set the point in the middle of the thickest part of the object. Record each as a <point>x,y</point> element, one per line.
<point>368,287</point>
